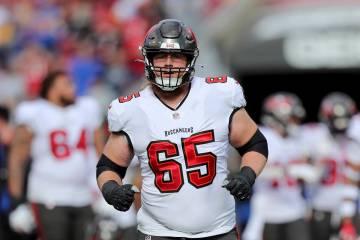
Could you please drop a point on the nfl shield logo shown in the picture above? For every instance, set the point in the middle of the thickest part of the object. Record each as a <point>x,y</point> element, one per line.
<point>176,115</point>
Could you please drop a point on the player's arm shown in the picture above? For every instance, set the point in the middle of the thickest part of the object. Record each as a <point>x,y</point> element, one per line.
<point>18,156</point>
<point>118,151</point>
<point>111,169</point>
<point>247,139</point>
<point>99,140</point>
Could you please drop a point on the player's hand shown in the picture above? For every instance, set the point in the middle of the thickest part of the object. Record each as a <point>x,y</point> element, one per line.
<point>120,196</point>
<point>21,220</point>
<point>239,184</point>
<point>348,231</point>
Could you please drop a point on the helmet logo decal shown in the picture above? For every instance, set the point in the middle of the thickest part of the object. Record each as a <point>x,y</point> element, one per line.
<point>168,44</point>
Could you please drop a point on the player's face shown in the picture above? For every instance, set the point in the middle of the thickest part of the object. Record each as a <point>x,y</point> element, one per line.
<point>65,89</point>
<point>168,61</point>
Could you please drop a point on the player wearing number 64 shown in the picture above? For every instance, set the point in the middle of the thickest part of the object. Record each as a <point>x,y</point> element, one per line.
<point>180,127</point>
<point>57,132</point>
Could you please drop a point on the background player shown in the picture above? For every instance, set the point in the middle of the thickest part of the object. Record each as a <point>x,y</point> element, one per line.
<point>328,146</point>
<point>58,132</point>
<point>278,184</point>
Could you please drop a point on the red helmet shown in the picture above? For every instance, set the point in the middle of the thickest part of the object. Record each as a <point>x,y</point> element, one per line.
<point>282,110</point>
<point>170,36</point>
<point>336,110</point>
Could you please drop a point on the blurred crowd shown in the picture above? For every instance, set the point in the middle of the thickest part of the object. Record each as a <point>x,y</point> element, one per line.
<point>96,41</point>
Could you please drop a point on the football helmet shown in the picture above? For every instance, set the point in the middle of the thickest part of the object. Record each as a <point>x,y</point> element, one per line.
<point>336,110</point>
<point>283,111</point>
<point>169,36</point>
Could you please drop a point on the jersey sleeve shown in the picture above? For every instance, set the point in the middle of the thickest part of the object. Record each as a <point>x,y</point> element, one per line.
<point>238,98</point>
<point>354,128</point>
<point>116,116</point>
<point>353,152</point>
<point>24,114</point>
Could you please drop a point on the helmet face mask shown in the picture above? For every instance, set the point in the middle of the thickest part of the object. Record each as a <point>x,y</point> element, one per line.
<point>169,37</point>
<point>174,79</point>
<point>283,111</point>
<point>336,110</point>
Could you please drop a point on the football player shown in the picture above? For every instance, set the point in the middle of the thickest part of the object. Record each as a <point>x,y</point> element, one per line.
<point>282,114</point>
<point>330,149</point>
<point>59,133</point>
<point>180,128</point>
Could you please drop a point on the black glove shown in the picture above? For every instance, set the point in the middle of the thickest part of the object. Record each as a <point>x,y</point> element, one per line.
<point>120,196</point>
<point>240,183</point>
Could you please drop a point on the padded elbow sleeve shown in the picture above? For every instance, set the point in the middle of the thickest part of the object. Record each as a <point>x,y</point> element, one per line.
<point>257,143</point>
<point>105,164</point>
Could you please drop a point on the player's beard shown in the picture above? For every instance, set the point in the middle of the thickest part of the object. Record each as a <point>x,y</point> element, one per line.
<point>66,101</point>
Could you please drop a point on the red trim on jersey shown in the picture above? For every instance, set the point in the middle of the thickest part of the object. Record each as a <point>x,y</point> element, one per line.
<point>39,226</point>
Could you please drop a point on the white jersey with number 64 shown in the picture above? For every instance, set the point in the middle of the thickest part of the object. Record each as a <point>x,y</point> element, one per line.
<point>62,152</point>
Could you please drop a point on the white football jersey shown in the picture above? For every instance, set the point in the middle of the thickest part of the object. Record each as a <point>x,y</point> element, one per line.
<point>62,152</point>
<point>183,156</point>
<point>354,128</point>
<point>329,154</point>
<point>276,184</point>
